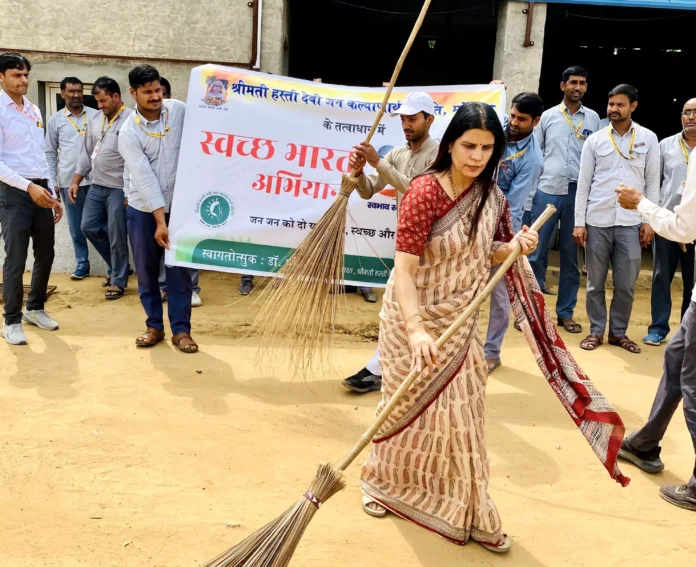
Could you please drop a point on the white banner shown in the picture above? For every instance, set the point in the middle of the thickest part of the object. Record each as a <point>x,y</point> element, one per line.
<point>261,161</point>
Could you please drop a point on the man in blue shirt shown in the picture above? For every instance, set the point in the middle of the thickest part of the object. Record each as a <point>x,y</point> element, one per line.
<point>518,176</point>
<point>561,135</point>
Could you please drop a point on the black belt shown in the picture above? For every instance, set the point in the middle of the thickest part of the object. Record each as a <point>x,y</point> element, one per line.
<point>40,182</point>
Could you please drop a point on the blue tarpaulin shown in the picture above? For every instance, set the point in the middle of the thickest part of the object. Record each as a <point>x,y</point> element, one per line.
<point>673,4</point>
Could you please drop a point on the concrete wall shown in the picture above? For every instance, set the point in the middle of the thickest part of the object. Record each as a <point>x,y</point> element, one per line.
<point>170,29</point>
<point>519,66</point>
<point>164,29</point>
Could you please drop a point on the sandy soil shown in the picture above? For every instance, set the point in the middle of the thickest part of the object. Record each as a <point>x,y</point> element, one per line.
<point>117,457</point>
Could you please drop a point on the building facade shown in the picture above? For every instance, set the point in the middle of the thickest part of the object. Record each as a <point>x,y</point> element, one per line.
<point>526,44</point>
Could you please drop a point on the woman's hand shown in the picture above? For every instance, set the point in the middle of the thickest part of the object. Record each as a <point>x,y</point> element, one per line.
<point>423,347</point>
<point>529,239</point>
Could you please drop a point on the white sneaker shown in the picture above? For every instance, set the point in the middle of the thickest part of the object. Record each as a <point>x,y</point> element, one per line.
<point>14,334</point>
<point>196,300</point>
<point>40,319</point>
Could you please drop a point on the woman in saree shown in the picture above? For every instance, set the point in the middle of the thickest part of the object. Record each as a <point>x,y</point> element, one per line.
<point>428,462</point>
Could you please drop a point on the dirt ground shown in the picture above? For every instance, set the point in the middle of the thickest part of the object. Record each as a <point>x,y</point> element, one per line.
<point>117,457</point>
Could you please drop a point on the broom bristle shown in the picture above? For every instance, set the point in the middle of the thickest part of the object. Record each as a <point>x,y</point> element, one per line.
<point>302,303</point>
<point>274,544</point>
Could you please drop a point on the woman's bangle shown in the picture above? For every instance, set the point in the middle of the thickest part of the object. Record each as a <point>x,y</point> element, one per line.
<point>414,315</point>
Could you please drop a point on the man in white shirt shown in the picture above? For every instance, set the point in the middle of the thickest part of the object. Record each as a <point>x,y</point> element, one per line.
<point>149,143</point>
<point>624,153</point>
<point>28,208</point>
<point>667,255</point>
<point>64,139</point>
<point>678,383</point>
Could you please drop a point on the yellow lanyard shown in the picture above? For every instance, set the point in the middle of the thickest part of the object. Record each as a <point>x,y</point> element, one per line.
<point>155,134</point>
<point>517,155</point>
<point>630,145</point>
<point>84,122</point>
<point>104,133</point>
<point>575,128</point>
<point>684,149</point>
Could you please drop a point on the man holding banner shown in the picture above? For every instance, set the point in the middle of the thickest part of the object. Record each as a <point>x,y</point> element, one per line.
<point>397,169</point>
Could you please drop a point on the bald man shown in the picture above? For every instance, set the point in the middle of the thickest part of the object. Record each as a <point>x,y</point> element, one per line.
<point>674,159</point>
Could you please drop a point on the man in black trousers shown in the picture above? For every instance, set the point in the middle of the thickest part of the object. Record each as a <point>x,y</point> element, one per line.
<point>28,207</point>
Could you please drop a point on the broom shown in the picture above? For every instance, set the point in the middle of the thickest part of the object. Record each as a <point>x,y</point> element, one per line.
<point>274,544</point>
<point>304,299</point>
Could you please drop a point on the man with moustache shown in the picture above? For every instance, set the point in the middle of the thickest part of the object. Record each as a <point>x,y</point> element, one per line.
<point>674,159</point>
<point>561,135</point>
<point>103,216</point>
<point>28,209</point>
<point>64,140</point>
<point>396,168</point>
<point>624,153</point>
<point>518,176</point>
<point>149,143</point>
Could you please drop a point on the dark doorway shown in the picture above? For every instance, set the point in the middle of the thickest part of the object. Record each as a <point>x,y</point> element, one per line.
<point>358,42</point>
<point>651,49</point>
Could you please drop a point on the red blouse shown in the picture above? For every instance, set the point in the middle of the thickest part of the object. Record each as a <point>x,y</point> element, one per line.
<point>424,203</point>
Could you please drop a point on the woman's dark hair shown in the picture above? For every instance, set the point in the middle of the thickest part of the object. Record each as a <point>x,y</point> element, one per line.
<point>473,116</point>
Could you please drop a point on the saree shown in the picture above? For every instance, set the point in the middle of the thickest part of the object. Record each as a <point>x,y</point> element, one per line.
<point>428,462</point>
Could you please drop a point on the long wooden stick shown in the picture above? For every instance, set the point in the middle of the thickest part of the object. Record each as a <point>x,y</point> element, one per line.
<point>397,69</point>
<point>447,335</point>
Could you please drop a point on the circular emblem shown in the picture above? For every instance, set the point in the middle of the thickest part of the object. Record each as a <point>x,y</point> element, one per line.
<point>215,209</point>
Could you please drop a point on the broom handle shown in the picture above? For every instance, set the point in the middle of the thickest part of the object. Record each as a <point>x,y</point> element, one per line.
<point>454,327</point>
<point>397,70</point>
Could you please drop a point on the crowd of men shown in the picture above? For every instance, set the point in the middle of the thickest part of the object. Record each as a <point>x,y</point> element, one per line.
<point>114,171</point>
<point>612,183</point>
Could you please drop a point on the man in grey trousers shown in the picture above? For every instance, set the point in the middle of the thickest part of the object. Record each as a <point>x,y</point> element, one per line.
<point>623,153</point>
<point>679,377</point>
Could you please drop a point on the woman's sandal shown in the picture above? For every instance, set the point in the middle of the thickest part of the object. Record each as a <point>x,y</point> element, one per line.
<point>591,342</point>
<point>112,294</point>
<point>570,325</point>
<point>150,338</point>
<point>503,546</point>
<point>185,343</point>
<point>625,343</point>
<point>374,512</point>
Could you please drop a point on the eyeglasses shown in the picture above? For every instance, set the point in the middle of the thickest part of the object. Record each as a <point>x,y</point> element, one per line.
<point>689,113</point>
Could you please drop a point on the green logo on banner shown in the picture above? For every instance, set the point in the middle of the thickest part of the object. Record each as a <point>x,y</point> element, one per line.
<point>215,209</point>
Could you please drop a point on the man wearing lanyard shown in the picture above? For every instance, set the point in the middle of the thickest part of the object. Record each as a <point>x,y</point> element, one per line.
<point>64,141</point>
<point>28,209</point>
<point>150,142</point>
<point>518,176</point>
<point>561,134</point>
<point>678,383</point>
<point>624,153</point>
<point>674,158</point>
<point>396,168</point>
<point>104,215</point>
